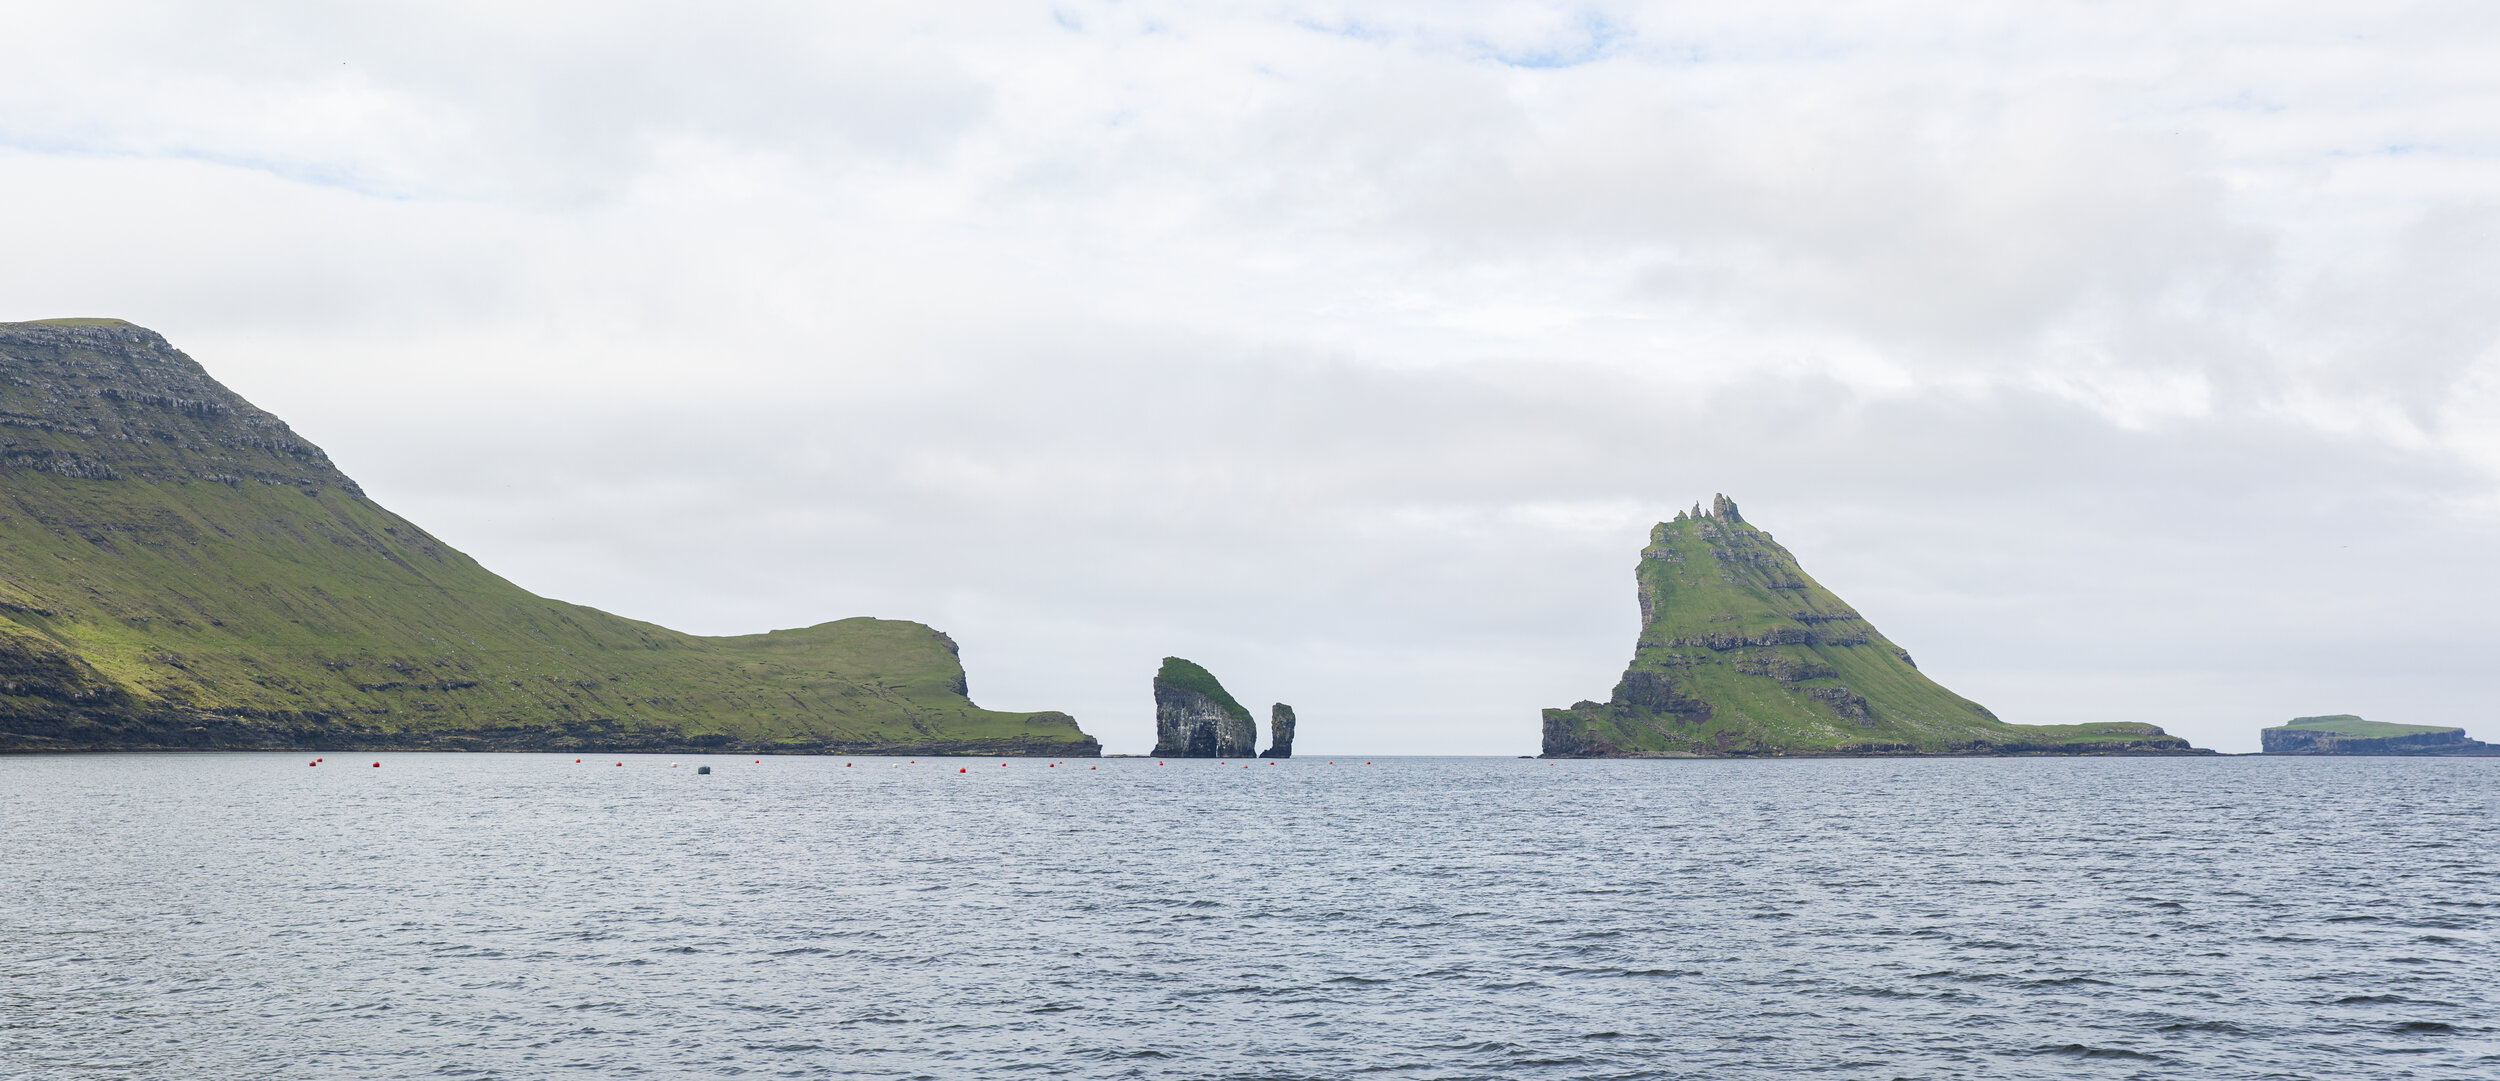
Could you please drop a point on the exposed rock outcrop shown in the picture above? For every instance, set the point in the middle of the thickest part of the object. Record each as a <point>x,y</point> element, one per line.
<point>1195,717</point>
<point>1280,729</point>
<point>1740,653</point>
<point>2345,734</point>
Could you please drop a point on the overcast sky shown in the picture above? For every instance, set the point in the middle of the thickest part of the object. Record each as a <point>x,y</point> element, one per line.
<point>2120,362</point>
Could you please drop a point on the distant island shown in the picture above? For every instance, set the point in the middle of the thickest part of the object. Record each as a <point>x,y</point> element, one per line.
<point>1741,654</point>
<point>180,570</point>
<point>2343,733</point>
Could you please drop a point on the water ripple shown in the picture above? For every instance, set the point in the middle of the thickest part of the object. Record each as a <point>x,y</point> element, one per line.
<point>521,917</point>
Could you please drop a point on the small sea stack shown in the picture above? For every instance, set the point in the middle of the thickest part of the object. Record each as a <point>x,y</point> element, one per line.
<point>1280,729</point>
<point>1195,717</point>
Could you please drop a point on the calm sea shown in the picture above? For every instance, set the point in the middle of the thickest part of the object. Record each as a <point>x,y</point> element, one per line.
<point>523,916</point>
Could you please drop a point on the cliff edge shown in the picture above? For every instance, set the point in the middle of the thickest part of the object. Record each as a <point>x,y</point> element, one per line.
<point>2345,734</point>
<point>181,570</point>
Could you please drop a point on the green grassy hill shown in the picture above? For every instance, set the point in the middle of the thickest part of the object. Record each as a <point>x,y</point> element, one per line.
<point>1741,653</point>
<point>178,569</point>
<point>2346,724</point>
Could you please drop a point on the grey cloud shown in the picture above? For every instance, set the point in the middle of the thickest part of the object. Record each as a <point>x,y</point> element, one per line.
<point>2118,373</point>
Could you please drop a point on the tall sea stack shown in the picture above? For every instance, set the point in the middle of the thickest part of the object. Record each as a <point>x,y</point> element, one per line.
<point>1280,729</point>
<point>1196,718</point>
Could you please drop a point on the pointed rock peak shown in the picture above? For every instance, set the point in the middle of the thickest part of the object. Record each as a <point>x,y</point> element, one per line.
<point>1741,653</point>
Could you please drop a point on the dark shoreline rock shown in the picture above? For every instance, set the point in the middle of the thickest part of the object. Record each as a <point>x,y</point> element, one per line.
<point>82,734</point>
<point>2423,742</point>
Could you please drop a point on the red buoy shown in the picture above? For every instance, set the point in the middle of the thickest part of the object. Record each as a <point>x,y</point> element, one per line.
<point>959,769</point>
<point>620,763</point>
<point>314,762</point>
<point>377,765</point>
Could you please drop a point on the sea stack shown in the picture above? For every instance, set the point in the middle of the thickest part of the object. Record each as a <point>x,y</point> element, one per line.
<point>1195,717</point>
<point>1280,729</point>
<point>1740,653</point>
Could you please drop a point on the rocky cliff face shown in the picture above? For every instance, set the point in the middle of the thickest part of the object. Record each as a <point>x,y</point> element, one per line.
<point>1741,653</point>
<point>179,569</point>
<point>1280,729</point>
<point>2359,737</point>
<point>1196,718</point>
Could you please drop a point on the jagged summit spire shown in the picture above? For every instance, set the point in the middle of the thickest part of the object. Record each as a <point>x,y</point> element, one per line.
<point>1721,508</point>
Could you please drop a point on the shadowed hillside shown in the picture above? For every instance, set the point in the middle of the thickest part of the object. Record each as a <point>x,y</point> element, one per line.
<point>178,569</point>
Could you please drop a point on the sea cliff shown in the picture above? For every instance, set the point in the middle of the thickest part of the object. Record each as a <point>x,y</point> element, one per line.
<point>181,570</point>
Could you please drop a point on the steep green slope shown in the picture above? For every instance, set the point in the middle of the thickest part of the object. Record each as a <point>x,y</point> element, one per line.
<point>179,569</point>
<point>1741,653</point>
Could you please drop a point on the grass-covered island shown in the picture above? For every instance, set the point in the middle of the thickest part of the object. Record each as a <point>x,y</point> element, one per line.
<point>180,570</point>
<point>2343,733</point>
<point>1741,654</point>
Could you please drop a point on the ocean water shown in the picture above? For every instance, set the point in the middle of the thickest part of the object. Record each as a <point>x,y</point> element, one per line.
<point>222,916</point>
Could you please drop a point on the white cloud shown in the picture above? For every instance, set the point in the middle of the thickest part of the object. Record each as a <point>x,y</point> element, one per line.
<point>1350,347</point>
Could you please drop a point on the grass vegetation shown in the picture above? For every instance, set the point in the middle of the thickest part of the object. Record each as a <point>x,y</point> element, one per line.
<point>2346,724</point>
<point>1742,653</point>
<point>1188,676</point>
<point>215,582</point>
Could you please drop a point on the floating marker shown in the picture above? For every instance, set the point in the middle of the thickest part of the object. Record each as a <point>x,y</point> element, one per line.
<point>846,765</point>
<point>314,762</point>
<point>703,769</point>
<point>1093,767</point>
<point>620,763</point>
<point>377,765</point>
<point>959,769</point>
